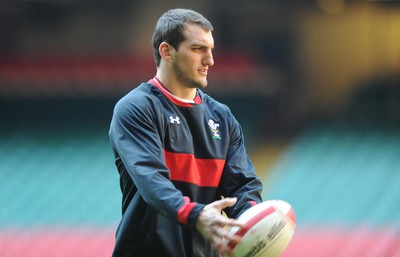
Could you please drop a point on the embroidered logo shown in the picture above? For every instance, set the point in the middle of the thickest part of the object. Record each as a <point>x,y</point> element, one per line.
<point>173,120</point>
<point>214,128</point>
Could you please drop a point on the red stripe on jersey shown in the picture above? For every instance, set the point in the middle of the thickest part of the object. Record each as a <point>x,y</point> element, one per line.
<point>201,172</point>
<point>185,210</point>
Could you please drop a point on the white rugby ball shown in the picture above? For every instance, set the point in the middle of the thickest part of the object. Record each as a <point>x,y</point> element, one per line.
<point>268,229</point>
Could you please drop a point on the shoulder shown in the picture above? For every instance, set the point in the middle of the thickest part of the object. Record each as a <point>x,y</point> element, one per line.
<point>140,98</point>
<point>214,104</point>
<point>219,110</point>
<point>140,103</point>
<point>222,113</point>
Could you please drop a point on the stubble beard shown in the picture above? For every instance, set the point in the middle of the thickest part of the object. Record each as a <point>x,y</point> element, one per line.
<point>183,77</point>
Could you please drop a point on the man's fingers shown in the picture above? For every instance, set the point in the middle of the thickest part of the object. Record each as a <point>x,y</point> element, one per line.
<point>223,203</point>
<point>232,223</point>
<point>226,223</point>
<point>221,240</point>
<point>216,227</point>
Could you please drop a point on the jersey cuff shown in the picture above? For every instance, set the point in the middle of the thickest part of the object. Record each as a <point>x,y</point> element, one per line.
<point>253,203</point>
<point>189,212</point>
<point>185,210</point>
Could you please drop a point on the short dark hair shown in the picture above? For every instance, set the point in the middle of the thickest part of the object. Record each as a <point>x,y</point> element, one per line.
<point>169,28</point>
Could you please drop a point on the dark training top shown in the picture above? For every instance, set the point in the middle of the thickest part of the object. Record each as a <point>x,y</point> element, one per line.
<point>174,157</point>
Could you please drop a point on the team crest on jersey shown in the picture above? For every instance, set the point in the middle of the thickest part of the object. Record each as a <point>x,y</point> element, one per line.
<point>214,128</point>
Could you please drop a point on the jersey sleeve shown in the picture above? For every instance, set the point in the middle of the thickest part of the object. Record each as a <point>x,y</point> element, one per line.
<point>136,135</point>
<point>239,177</point>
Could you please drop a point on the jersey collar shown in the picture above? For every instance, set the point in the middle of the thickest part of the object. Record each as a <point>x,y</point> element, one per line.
<point>175,99</point>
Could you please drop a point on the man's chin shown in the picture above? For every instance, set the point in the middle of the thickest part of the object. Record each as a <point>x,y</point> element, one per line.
<point>199,84</point>
<point>202,84</point>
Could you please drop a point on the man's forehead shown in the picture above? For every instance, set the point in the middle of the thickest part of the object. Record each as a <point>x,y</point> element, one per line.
<point>196,34</point>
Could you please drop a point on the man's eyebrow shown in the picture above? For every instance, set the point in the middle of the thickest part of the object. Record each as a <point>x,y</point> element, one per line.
<point>203,46</point>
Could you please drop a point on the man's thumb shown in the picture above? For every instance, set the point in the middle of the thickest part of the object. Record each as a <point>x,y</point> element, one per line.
<point>226,202</point>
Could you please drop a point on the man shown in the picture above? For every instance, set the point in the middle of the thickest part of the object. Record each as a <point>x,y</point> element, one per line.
<point>180,154</point>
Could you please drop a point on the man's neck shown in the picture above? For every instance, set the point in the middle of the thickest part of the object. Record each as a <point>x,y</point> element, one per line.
<point>176,88</point>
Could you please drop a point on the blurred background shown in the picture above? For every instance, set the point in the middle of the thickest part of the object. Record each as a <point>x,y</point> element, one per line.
<point>314,83</point>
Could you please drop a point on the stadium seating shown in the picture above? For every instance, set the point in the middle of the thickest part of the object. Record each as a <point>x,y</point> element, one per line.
<point>59,192</point>
<point>344,185</point>
<point>60,187</point>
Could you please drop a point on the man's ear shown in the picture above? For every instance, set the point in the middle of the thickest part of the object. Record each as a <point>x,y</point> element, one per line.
<point>166,51</point>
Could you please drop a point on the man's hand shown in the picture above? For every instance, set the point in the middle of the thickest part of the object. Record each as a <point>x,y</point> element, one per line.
<point>215,227</point>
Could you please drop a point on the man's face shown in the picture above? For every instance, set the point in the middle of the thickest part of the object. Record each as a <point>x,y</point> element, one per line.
<point>194,56</point>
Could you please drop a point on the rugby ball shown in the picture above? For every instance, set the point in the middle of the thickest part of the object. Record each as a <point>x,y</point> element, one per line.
<point>268,229</point>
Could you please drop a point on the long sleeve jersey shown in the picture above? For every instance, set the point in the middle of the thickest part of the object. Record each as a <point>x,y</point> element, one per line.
<point>173,158</point>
